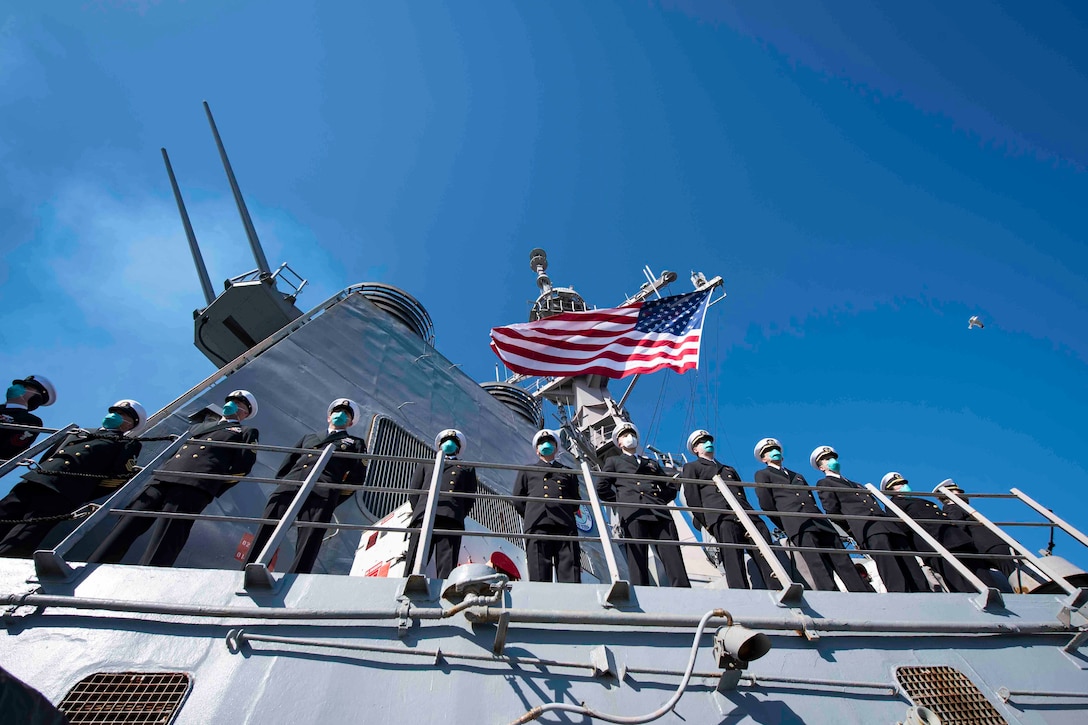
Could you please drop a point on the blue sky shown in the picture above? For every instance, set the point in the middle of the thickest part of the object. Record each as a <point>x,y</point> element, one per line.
<point>863,182</point>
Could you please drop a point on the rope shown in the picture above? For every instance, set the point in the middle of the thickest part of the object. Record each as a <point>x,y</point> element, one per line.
<point>80,513</point>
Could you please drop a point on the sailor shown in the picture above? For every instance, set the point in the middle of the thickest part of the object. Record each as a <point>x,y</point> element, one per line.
<point>84,466</point>
<point>796,497</point>
<point>552,480</point>
<point>631,495</point>
<point>986,541</point>
<point>318,507</point>
<point>171,492</point>
<point>722,523</point>
<point>23,396</point>
<point>941,527</point>
<point>848,503</point>
<point>450,511</point>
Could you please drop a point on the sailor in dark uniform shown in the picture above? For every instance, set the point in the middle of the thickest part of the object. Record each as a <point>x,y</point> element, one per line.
<point>450,511</point>
<point>320,504</point>
<point>638,522</point>
<point>171,493</point>
<point>846,501</point>
<point>23,396</point>
<point>801,530</point>
<point>84,466</point>
<point>944,530</point>
<point>986,541</point>
<point>722,523</point>
<point>550,479</point>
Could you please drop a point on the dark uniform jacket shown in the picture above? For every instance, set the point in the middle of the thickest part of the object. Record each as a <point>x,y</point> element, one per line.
<point>200,455</point>
<point>297,466</point>
<point>456,478</point>
<point>85,465</point>
<point>852,499</point>
<point>796,499</point>
<point>946,532</point>
<point>709,496</point>
<point>550,480</point>
<point>986,541</point>
<point>14,442</point>
<point>633,491</point>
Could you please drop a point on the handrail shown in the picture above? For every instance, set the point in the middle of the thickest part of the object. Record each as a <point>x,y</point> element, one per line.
<point>12,463</point>
<point>619,588</point>
<point>257,575</point>
<point>416,581</point>
<point>989,597</point>
<point>50,563</point>
<point>1063,525</point>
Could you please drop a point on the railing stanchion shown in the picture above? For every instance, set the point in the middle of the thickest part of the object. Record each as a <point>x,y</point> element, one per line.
<point>257,575</point>
<point>416,581</point>
<point>1063,525</point>
<point>620,589</point>
<point>50,563</point>
<point>989,597</point>
<point>1080,596</point>
<point>791,593</point>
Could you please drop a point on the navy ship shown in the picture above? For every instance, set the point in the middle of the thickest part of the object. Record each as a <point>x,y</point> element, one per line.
<point>371,637</point>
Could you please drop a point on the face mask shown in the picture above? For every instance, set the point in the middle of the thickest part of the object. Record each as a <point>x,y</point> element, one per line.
<point>449,446</point>
<point>708,446</point>
<point>230,409</point>
<point>16,391</point>
<point>905,488</point>
<point>775,456</point>
<point>546,448</point>
<point>340,419</point>
<point>833,465</point>
<point>628,441</point>
<point>112,421</point>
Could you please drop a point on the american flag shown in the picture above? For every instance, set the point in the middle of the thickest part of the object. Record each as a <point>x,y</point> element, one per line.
<point>615,342</point>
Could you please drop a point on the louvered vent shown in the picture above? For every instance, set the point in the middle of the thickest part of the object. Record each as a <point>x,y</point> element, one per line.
<point>949,694</point>
<point>132,698</point>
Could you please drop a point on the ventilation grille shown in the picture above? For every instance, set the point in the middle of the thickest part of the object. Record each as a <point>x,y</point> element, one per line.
<point>402,306</point>
<point>389,439</point>
<point>949,694</point>
<point>518,400</point>
<point>131,698</point>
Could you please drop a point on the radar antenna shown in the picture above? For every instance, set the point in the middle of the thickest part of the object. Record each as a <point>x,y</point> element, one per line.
<point>198,259</point>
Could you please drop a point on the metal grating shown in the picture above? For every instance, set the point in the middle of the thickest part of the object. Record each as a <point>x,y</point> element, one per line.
<point>129,698</point>
<point>389,439</point>
<point>949,694</point>
<point>498,515</point>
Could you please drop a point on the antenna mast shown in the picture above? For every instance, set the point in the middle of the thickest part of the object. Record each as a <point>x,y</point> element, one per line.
<point>198,259</point>
<point>254,242</point>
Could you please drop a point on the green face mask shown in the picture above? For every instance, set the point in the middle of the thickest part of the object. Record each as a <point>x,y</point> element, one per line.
<point>230,409</point>
<point>112,421</point>
<point>340,419</point>
<point>708,446</point>
<point>16,391</point>
<point>449,446</point>
<point>546,448</point>
<point>905,488</point>
<point>833,465</point>
<point>775,456</point>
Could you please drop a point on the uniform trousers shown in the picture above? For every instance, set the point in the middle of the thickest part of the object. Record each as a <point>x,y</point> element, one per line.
<point>168,536</point>
<point>900,573</point>
<point>979,567</point>
<point>727,531</point>
<point>29,500</point>
<point>822,565</point>
<point>638,561</point>
<point>547,555</point>
<point>316,508</point>
<point>445,548</point>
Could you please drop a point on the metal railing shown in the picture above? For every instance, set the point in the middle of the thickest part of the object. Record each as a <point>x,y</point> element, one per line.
<point>52,563</point>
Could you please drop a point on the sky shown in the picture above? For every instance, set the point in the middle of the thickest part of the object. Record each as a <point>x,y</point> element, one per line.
<point>863,182</point>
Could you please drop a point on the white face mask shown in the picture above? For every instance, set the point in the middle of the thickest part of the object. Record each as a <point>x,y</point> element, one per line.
<point>628,441</point>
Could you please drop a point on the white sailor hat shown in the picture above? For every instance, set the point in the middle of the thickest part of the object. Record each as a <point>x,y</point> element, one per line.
<point>131,407</point>
<point>450,433</point>
<point>621,429</point>
<point>350,405</point>
<point>891,477</point>
<point>246,397</point>
<point>545,433</point>
<point>763,445</point>
<point>819,452</point>
<point>42,383</point>
<point>696,436</point>
<point>949,484</point>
